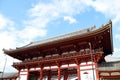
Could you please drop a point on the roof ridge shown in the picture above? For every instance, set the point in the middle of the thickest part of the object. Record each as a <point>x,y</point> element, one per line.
<point>62,36</point>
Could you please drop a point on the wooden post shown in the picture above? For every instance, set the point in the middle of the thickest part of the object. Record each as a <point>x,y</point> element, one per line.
<point>41,73</point>
<point>49,74</point>
<point>78,71</point>
<point>59,74</point>
<point>28,72</point>
<point>65,74</point>
<point>77,61</point>
<point>97,73</point>
<point>19,74</point>
<point>49,77</point>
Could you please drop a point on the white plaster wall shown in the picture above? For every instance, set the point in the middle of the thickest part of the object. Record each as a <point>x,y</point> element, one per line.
<point>88,76</point>
<point>89,70</point>
<point>23,77</point>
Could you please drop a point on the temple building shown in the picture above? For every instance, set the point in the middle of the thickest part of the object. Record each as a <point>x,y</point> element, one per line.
<point>8,76</point>
<point>78,55</point>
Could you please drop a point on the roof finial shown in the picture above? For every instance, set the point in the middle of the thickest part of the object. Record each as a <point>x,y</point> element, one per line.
<point>110,21</point>
<point>102,25</point>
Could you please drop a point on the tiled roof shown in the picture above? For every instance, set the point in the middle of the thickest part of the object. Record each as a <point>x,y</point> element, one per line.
<point>111,58</point>
<point>109,66</point>
<point>8,75</point>
<point>64,36</point>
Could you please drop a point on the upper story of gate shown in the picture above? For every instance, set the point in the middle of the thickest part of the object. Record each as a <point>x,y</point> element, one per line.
<point>78,41</point>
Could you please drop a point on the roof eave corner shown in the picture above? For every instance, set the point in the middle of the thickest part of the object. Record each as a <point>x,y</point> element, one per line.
<point>5,51</point>
<point>111,35</point>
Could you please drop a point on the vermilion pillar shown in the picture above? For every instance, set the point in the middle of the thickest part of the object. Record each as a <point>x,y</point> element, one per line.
<point>97,73</point>
<point>59,74</point>
<point>41,73</point>
<point>19,74</point>
<point>49,77</point>
<point>28,74</point>
<point>78,71</point>
<point>65,76</point>
<point>77,61</point>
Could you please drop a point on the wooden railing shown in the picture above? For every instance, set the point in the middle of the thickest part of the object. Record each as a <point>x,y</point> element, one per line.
<point>80,54</point>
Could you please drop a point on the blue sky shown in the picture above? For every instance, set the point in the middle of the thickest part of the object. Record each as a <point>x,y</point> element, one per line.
<point>25,21</point>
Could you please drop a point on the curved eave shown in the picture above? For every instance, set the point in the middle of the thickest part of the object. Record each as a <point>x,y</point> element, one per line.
<point>81,36</point>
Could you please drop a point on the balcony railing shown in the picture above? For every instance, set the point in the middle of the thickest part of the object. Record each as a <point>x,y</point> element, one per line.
<point>82,53</point>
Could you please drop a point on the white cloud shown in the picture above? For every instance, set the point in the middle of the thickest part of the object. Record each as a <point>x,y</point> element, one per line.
<point>41,14</point>
<point>59,8</point>
<point>44,13</point>
<point>7,38</point>
<point>11,37</point>
<point>116,49</point>
<point>111,8</point>
<point>7,33</point>
<point>4,22</point>
<point>70,19</point>
<point>117,36</point>
<point>56,8</point>
<point>30,33</point>
<point>116,52</point>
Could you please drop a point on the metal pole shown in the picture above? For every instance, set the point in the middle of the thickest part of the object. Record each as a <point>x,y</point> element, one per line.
<point>92,60</point>
<point>4,66</point>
